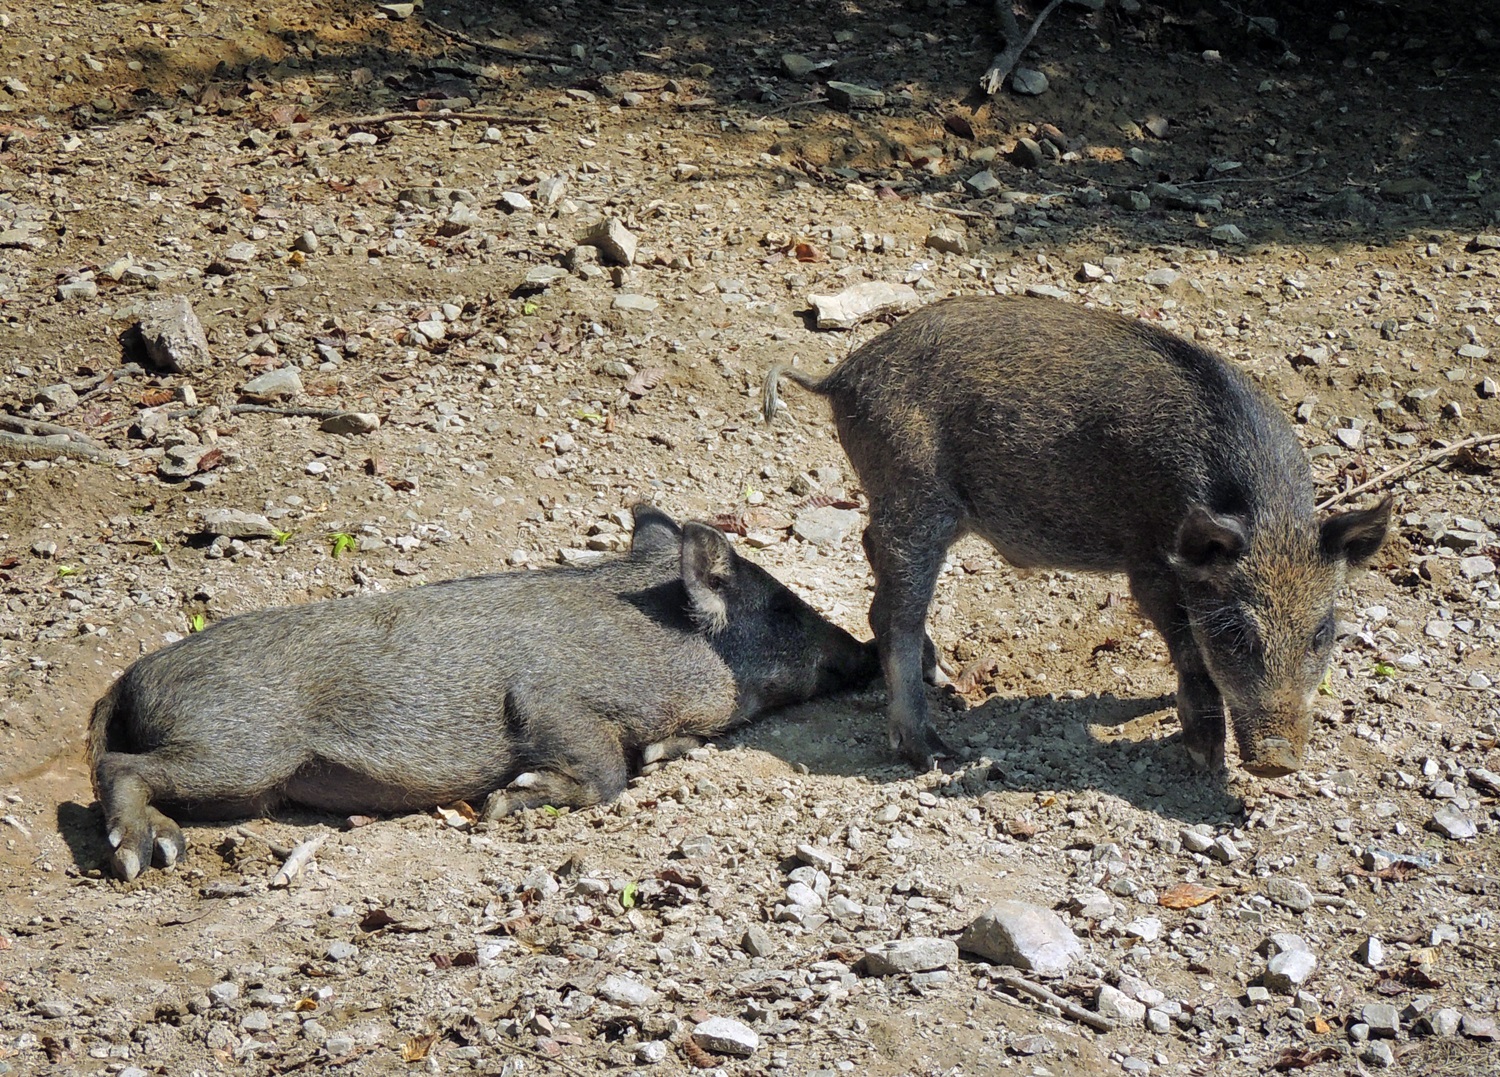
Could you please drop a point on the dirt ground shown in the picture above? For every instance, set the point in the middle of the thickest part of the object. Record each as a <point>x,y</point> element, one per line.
<point>1316,198</point>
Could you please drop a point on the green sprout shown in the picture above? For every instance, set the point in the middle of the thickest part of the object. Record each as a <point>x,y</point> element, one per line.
<point>1325,686</point>
<point>627,895</point>
<point>1384,669</point>
<point>197,623</point>
<point>281,537</point>
<point>531,306</point>
<point>64,571</point>
<point>550,810</point>
<point>343,542</point>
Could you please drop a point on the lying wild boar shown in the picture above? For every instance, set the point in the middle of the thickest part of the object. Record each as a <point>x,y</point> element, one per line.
<point>1079,439</point>
<point>524,688</point>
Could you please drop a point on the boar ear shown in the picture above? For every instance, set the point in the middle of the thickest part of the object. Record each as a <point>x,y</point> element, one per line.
<point>1207,539</point>
<point>707,565</point>
<point>654,530</point>
<point>1355,536</point>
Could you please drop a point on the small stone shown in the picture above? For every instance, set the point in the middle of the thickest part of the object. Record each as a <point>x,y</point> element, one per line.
<point>1028,153</point>
<point>1378,1054</point>
<point>1158,1021</point>
<point>1224,850</point>
<point>173,336</point>
<point>350,423</point>
<point>1046,291</point>
<point>1289,894</point>
<point>1195,841</point>
<point>54,1008</point>
<point>182,461</point>
<point>1485,242</point>
<point>947,240</point>
<point>273,385</point>
<point>1476,568</point>
<point>1027,936</point>
<point>1444,1022</point>
<point>794,65</point>
<point>1113,1003</point>
<point>898,957</point>
<point>338,950</point>
<point>516,202</point>
<point>1480,1028</point>
<point>826,525</point>
<point>1371,952</point>
<point>756,942</point>
<point>1028,81</point>
<point>614,240</point>
<point>256,1021</point>
<point>1382,1018</point>
<point>1452,823</point>
<point>1256,995</point>
<point>234,524</point>
<point>60,397</point>
<point>642,304</point>
<point>1289,970</point>
<point>855,304</point>
<point>307,243</point>
<point>224,993</point>
<point>1090,272</point>
<point>1033,1044</point>
<point>1228,233</point>
<point>625,991</point>
<point>726,1036</point>
<point>820,858</point>
<point>852,97</point>
<point>1146,928</point>
<point>983,183</point>
<point>74,290</point>
<point>651,1052</point>
<point>543,275</point>
<point>1488,388</point>
<point>1163,278</point>
<point>800,893</point>
<point>1135,201</point>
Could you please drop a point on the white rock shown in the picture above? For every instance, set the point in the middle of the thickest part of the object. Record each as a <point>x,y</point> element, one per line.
<point>613,239</point>
<point>853,305</point>
<point>173,336</point>
<point>901,956</point>
<point>234,524</point>
<point>1289,970</point>
<point>1026,936</point>
<point>726,1036</point>
<point>273,384</point>
<point>1113,1003</point>
<point>626,991</point>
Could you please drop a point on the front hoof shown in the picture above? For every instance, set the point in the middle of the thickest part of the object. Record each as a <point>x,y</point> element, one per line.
<point>921,747</point>
<point>1207,758</point>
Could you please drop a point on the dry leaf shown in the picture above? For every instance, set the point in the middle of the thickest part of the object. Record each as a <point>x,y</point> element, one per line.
<point>416,1048</point>
<point>1023,829</point>
<point>1292,1059</point>
<point>306,1005</point>
<point>354,822</point>
<point>807,252</point>
<point>376,919</point>
<point>211,459</point>
<point>1187,896</point>
<point>697,1056</point>
<point>643,381</point>
<point>959,124</point>
<point>155,398</point>
<point>976,674</point>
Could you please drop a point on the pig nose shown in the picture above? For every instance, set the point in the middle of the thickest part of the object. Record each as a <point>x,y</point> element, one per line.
<point>1274,758</point>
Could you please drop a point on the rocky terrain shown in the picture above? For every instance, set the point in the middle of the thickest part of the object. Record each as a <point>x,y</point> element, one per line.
<point>472,280</point>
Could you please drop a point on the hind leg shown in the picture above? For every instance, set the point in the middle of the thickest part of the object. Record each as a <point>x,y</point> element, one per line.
<point>906,546</point>
<point>138,833</point>
<point>580,771</point>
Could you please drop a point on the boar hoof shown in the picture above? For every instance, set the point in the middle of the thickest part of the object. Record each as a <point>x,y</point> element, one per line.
<point>1206,758</point>
<point>922,747</point>
<point>1274,758</point>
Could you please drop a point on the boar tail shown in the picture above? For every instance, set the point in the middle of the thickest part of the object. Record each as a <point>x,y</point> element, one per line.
<point>101,723</point>
<point>768,394</point>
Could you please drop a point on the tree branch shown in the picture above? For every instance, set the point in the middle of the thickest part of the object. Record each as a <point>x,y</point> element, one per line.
<point>1015,44</point>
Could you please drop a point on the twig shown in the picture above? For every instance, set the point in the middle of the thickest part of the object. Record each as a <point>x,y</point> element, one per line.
<point>544,1057</point>
<point>1250,179</point>
<point>1015,44</point>
<point>499,50</point>
<point>37,428</point>
<point>1422,462</point>
<point>291,413</point>
<point>1071,1009</point>
<point>969,213</point>
<point>282,851</point>
<point>298,859</point>
<point>44,446</point>
<point>477,117</point>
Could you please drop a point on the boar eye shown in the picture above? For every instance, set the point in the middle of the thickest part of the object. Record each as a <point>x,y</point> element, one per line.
<point>1323,637</point>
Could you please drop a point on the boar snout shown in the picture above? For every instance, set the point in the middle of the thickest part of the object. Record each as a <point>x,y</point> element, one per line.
<point>1273,746</point>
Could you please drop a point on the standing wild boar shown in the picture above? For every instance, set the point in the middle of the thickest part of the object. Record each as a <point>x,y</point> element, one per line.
<point>1082,440</point>
<point>525,688</point>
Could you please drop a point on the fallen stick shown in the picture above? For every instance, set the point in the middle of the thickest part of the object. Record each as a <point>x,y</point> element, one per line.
<point>44,446</point>
<point>478,117</point>
<point>282,851</point>
<point>1015,44</point>
<point>1041,994</point>
<point>499,50</point>
<point>298,859</point>
<point>971,214</point>
<point>292,413</point>
<point>1422,462</point>
<point>37,428</point>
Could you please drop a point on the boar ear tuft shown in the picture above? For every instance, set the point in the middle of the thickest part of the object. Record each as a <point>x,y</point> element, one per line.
<point>707,566</point>
<point>654,530</point>
<point>1208,539</point>
<point>1356,536</point>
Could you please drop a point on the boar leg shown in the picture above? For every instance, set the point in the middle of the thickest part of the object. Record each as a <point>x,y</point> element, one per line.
<point>663,751</point>
<point>1200,705</point>
<point>583,769</point>
<point>138,833</point>
<point>906,550</point>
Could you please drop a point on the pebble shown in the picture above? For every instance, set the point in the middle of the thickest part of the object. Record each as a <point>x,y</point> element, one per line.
<point>1444,1022</point>
<point>1475,568</point>
<point>74,290</point>
<point>1113,1003</point>
<point>516,202</point>
<point>1378,1054</point>
<point>350,423</point>
<point>1224,850</point>
<point>853,305</point>
<point>1027,936</point>
<point>55,1008</point>
<point>224,993</point>
<point>173,336</point>
<point>1371,952</point>
<point>1452,823</point>
<point>826,525</point>
<point>651,1052</point>
<point>983,183</point>
<point>615,242</point>
<point>1289,894</point>
<point>1028,153</point>
<point>1289,970</point>
<point>1028,81</point>
<point>235,524</point>
<point>801,894</point>
<point>1033,1044</point>
<point>643,304</point>
<point>1479,1028</point>
<point>338,950</point>
<point>947,240</point>
<point>726,1036</point>
<point>275,384</point>
<point>902,956</point>
<point>544,275</point>
<point>626,991</point>
<point>1228,233</point>
<point>756,941</point>
<point>1382,1018</point>
<point>851,96</point>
